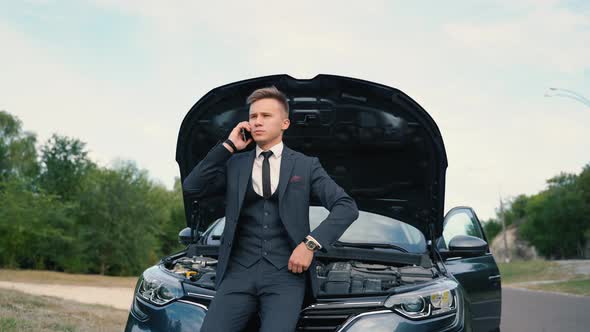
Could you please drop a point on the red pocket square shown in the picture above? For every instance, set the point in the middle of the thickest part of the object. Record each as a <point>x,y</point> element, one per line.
<point>295,178</point>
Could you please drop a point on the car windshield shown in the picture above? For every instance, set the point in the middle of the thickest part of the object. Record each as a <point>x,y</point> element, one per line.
<point>375,228</point>
<point>368,228</point>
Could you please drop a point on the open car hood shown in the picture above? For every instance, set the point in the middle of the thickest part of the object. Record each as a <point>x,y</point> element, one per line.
<point>375,141</point>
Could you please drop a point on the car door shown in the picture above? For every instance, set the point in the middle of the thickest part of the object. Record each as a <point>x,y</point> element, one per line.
<point>479,275</point>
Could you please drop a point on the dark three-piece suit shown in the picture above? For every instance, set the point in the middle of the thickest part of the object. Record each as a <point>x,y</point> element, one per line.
<point>261,233</point>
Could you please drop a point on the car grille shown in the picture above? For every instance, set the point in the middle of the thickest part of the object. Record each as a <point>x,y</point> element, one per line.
<point>328,317</point>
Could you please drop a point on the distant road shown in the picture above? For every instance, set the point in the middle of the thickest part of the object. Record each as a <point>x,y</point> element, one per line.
<point>535,311</point>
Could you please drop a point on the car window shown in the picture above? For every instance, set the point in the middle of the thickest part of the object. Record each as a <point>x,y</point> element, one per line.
<point>218,230</point>
<point>374,228</point>
<point>460,222</point>
<point>367,228</point>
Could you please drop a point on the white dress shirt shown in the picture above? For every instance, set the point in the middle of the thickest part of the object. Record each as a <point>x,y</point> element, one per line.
<point>275,168</point>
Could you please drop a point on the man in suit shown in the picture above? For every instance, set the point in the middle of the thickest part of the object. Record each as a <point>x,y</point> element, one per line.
<point>267,250</point>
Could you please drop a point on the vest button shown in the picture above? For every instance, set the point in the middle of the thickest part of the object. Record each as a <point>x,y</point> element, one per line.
<point>265,226</point>
<point>229,244</point>
<point>266,213</point>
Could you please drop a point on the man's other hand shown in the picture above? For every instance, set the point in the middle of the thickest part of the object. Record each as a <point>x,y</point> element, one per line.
<point>300,259</point>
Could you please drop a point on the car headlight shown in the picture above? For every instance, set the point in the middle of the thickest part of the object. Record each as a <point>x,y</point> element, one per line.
<point>158,288</point>
<point>429,303</point>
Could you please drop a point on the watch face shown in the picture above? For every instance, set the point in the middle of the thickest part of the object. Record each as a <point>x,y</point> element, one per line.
<point>310,245</point>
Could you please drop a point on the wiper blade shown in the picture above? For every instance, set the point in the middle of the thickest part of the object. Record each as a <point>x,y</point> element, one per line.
<point>369,245</point>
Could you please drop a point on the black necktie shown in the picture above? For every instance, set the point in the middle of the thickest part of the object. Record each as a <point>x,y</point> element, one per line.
<point>266,174</point>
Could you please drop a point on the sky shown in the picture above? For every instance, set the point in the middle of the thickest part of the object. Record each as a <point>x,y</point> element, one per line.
<point>121,75</point>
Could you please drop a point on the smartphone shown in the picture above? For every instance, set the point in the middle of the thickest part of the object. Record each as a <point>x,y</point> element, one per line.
<point>246,135</point>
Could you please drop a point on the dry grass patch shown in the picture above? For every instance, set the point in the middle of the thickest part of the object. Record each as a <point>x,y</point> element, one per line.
<point>577,287</point>
<point>23,312</point>
<point>534,270</point>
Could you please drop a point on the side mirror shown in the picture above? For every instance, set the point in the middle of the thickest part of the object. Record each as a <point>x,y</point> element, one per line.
<point>184,236</point>
<point>466,246</point>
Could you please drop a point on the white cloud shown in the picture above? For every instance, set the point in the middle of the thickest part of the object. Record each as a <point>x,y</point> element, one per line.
<point>545,35</point>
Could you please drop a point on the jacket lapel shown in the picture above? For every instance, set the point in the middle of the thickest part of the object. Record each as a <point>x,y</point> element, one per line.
<point>245,173</point>
<point>287,163</point>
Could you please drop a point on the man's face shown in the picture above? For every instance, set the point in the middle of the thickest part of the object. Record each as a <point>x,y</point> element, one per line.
<point>267,120</point>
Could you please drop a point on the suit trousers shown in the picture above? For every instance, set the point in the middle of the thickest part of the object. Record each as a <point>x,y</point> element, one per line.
<point>276,295</point>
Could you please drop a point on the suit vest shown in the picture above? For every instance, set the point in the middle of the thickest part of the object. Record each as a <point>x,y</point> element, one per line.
<point>260,233</point>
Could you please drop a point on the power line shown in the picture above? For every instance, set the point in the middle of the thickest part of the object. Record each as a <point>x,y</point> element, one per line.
<point>554,92</point>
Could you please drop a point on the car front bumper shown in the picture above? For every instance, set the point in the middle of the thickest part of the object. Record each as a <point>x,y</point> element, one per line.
<point>178,316</point>
<point>183,315</point>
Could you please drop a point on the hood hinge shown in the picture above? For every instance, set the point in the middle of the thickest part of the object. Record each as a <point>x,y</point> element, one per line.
<point>435,254</point>
<point>195,223</point>
<point>432,240</point>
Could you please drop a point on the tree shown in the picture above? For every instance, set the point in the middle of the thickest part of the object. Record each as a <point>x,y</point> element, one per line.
<point>175,221</point>
<point>119,220</point>
<point>65,163</point>
<point>491,228</point>
<point>516,211</point>
<point>36,229</point>
<point>583,185</point>
<point>18,156</point>
<point>68,214</point>
<point>556,218</point>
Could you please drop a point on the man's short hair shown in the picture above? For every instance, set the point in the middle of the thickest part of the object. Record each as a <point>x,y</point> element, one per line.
<point>269,92</point>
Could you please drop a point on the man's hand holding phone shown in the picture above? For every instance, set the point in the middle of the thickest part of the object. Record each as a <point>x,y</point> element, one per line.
<point>237,136</point>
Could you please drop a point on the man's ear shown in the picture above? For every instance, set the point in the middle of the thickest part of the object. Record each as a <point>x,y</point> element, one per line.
<point>286,123</point>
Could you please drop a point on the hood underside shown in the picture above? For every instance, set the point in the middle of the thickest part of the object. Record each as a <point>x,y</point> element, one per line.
<point>373,140</point>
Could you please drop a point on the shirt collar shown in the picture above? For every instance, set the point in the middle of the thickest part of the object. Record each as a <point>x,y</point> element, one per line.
<point>277,150</point>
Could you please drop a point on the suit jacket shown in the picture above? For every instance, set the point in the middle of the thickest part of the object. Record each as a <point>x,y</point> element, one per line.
<point>300,176</point>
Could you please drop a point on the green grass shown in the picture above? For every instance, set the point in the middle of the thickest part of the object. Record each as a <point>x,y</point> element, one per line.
<point>8,324</point>
<point>541,270</point>
<point>578,287</point>
<point>535,270</point>
<point>23,312</point>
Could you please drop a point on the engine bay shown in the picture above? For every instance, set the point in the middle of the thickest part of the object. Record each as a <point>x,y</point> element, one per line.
<point>334,277</point>
<point>354,277</point>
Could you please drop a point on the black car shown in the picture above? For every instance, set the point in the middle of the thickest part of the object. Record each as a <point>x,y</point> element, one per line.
<point>401,266</point>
